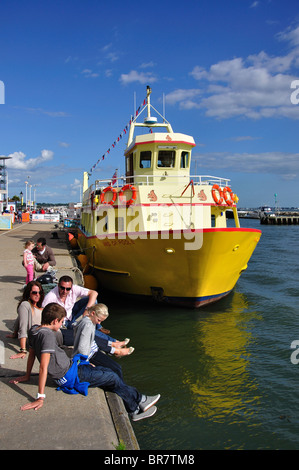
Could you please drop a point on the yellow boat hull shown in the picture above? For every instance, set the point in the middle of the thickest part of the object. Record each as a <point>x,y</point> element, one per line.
<point>165,269</point>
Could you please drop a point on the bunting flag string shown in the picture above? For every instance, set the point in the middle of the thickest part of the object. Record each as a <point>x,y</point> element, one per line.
<point>125,130</point>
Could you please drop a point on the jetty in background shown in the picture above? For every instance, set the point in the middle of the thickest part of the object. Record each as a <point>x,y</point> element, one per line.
<point>280,218</point>
<point>269,216</point>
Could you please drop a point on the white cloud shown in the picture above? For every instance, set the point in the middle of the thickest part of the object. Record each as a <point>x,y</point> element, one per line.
<point>64,144</point>
<point>18,160</point>
<point>290,35</point>
<point>88,73</point>
<point>243,138</point>
<point>254,87</point>
<point>284,164</point>
<point>185,98</point>
<point>135,76</point>
<point>146,65</point>
<point>76,184</point>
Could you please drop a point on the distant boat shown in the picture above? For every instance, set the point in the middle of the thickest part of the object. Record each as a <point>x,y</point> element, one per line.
<point>248,214</point>
<point>266,211</point>
<point>159,232</point>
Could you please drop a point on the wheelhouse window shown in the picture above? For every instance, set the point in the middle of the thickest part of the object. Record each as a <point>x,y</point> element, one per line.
<point>166,158</point>
<point>184,159</point>
<point>145,159</point>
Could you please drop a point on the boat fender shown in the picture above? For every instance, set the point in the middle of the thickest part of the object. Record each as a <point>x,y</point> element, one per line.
<point>114,195</point>
<point>228,196</point>
<point>217,200</point>
<point>134,194</point>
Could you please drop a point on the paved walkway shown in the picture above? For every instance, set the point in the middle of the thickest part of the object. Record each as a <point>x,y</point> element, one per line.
<point>96,422</point>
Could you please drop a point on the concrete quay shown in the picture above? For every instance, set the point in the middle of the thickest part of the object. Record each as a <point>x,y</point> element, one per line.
<point>98,421</point>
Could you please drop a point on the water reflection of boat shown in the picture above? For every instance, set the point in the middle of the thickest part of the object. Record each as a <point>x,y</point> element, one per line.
<point>160,232</point>
<point>223,388</point>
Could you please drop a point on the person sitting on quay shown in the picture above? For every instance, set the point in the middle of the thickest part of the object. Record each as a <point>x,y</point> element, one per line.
<point>76,300</point>
<point>44,256</point>
<point>77,374</point>
<point>29,312</point>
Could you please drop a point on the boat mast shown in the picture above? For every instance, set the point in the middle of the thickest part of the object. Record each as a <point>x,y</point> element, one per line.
<point>149,121</point>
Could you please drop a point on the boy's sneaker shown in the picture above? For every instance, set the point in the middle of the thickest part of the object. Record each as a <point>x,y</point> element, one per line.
<point>144,414</point>
<point>147,402</point>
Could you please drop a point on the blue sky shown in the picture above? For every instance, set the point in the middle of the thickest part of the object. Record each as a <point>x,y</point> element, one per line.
<point>71,70</point>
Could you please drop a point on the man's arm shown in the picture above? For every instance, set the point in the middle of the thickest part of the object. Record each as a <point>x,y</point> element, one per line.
<point>51,257</point>
<point>92,294</point>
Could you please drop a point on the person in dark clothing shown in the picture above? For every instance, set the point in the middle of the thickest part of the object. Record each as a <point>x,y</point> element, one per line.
<point>44,256</point>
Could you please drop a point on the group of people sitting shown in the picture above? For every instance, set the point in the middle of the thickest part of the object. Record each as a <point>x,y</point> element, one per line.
<point>69,315</point>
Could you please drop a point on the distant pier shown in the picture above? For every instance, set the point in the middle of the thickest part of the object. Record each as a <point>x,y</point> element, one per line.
<point>280,218</point>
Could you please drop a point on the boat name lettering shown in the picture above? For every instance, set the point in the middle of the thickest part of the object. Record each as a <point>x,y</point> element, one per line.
<point>118,241</point>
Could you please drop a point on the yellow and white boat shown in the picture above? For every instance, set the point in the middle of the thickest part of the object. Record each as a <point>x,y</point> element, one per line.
<point>159,232</point>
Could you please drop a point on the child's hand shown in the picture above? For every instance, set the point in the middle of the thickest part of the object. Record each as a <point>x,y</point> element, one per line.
<point>37,404</point>
<point>24,378</point>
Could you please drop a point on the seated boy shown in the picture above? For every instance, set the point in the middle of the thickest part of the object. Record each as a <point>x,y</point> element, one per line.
<point>53,360</point>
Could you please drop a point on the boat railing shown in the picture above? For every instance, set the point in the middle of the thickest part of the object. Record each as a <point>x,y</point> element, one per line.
<point>150,180</point>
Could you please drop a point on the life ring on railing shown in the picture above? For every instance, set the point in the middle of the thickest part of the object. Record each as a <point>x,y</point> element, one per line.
<point>215,188</point>
<point>106,190</point>
<point>228,195</point>
<point>134,194</point>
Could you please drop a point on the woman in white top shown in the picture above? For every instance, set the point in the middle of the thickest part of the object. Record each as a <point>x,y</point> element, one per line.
<point>29,313</point>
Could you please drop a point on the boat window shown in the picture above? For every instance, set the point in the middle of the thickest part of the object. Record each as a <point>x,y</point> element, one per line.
<point>145,159</point>
<point>166,158</point>
<point>129,168</point>
<point>184,159</point>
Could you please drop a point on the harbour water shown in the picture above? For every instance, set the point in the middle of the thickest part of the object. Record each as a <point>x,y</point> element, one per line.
<point>224,371</point>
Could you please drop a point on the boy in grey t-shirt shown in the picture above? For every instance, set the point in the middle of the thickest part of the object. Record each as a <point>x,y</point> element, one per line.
<point>42,340</point>
<point>43,345</point>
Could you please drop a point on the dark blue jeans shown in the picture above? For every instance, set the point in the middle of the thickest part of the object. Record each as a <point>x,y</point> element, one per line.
<point>78,310</point>
<point>108,380</point>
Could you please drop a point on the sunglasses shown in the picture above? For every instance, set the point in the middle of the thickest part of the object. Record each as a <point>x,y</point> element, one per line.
<point>64,288</point>
<point>34,292</point>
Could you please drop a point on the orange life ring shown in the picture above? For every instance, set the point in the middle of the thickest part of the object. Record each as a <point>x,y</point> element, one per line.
<point>217,200</point>
<point>114,194</point>
<point>134,194</point>
<point>228,199</point>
